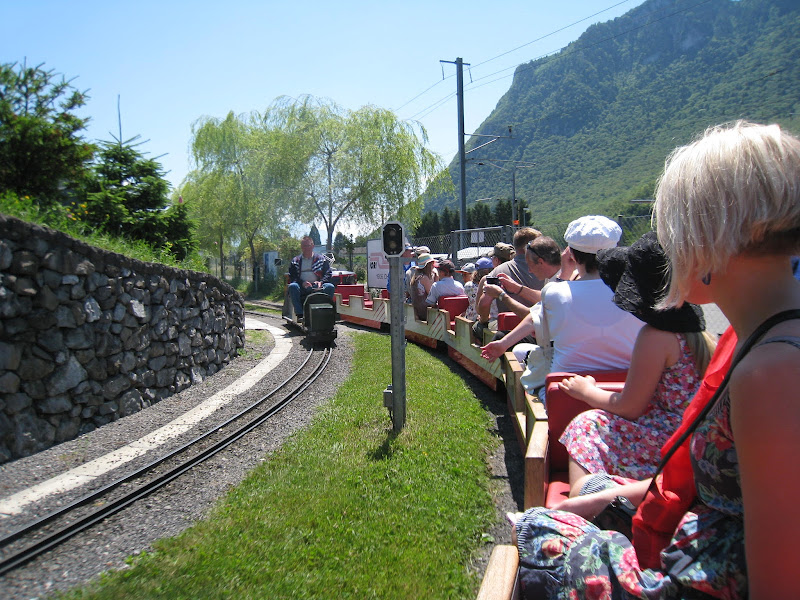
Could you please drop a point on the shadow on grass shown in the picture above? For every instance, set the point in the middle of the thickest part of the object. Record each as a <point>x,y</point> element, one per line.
<point>386,449</point>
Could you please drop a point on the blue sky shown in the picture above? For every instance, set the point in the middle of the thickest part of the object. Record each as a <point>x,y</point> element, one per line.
<point>172,62</point>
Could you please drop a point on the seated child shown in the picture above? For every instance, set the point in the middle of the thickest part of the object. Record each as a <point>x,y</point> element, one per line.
<point>624,433</point>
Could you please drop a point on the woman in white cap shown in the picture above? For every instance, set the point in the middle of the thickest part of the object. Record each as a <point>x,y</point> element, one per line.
<point>470,289</point>
<point>588,331</point>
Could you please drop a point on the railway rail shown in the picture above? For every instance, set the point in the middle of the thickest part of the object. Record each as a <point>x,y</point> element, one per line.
<point>44,533</point>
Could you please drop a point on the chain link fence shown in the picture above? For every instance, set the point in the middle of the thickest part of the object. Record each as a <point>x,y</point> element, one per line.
<point>468,245</point>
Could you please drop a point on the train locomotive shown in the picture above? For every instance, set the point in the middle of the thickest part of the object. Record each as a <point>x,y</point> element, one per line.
<point>319,312</point>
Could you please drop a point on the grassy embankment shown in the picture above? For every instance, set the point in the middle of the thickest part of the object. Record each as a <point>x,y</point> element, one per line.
<point>345,509</point>
<point>58,218</point>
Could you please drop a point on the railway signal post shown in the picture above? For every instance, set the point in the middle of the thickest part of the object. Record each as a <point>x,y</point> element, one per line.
<point>395,394</point>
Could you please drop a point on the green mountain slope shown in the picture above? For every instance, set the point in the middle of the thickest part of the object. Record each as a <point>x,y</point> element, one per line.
<point>600,117</point>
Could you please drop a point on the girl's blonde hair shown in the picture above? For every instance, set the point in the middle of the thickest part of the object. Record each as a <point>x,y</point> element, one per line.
<point>702,345</point>
<point>734,190</point>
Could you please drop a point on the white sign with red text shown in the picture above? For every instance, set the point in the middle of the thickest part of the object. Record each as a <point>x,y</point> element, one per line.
<point>377,265</point>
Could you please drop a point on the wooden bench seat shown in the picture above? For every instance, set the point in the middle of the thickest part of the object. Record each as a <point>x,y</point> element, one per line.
<point>546,459</point>
<point>506,321</point>
<point>500,580</point>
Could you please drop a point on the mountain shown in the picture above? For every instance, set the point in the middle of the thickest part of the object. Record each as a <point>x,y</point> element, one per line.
<point>600,117</point>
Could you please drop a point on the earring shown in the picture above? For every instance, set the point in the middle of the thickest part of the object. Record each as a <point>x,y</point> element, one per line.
<point>706,279</point>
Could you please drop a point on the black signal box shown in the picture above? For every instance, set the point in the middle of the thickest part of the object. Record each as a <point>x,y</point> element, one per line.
<point>393,238</point>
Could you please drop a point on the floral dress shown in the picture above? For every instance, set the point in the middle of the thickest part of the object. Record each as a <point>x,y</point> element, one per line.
<point>602,442</point>
<point>563,556</point>
<point>471,291</point>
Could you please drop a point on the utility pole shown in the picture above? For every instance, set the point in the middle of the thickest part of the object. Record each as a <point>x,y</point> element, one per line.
<point>517,214</point>
<point>514,218</point>
<point>462,155</point>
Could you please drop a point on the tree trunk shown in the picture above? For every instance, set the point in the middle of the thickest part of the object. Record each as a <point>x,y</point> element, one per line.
<point>255,264</point>
<point>221,259</point>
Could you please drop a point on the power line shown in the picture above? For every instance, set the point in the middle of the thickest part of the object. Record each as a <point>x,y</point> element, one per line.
<point>558,55</point>
<point>420,94</point>
<point>444,78</point>
<point>539,39</point>
<point>433,107</point>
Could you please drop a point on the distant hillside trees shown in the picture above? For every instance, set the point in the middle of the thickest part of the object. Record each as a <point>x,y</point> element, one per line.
<point>599,117</point>
<point>480,214</point>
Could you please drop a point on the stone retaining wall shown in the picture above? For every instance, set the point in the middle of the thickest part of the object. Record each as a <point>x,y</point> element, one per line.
<point>88,336</point>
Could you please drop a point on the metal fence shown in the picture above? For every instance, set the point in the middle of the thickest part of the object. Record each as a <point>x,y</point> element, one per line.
<point>467,245</point>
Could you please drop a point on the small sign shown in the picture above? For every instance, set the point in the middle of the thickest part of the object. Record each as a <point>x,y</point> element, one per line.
<point>377,265</point>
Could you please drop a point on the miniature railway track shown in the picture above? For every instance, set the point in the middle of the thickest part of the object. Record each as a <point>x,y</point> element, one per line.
<point>262,304</point>
<point>37,537</point>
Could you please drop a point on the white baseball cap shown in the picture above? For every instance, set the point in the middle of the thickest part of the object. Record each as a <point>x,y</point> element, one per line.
<point>592,233</point>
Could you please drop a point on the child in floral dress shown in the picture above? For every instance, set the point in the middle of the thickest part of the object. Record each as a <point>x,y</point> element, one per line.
<point>624,434</point>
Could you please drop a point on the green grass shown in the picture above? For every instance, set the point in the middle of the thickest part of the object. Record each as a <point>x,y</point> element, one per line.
<point>254,337</point>
<point>346,509</point>
<point>56,217</point>
<point>260,308</point>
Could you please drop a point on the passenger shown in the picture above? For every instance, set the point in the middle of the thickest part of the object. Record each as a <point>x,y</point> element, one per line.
<point>624,433</point>
<point>446,286</point>
<point>588,331</point>
<point>544,260</point>
<point>727,213</point>
<point>470,288</point>
<point>516,272</point>
<point>483,266</point>
<point>421,283</point>
<point>412,269</point>
<point>486,307</point>
<point>659,509</point>
<point>309,272</point>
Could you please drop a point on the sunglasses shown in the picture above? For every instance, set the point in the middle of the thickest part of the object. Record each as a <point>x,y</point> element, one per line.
<point>530,249</point>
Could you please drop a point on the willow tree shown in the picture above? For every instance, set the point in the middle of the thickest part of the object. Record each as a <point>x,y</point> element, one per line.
<point>256,162</point>
<point>365,166</point>
<point>206,198</point>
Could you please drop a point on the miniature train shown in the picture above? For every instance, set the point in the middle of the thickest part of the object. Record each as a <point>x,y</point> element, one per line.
<point>319,317</point>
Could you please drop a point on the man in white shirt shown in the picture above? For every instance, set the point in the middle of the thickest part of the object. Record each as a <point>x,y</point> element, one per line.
<point>446,286</point>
